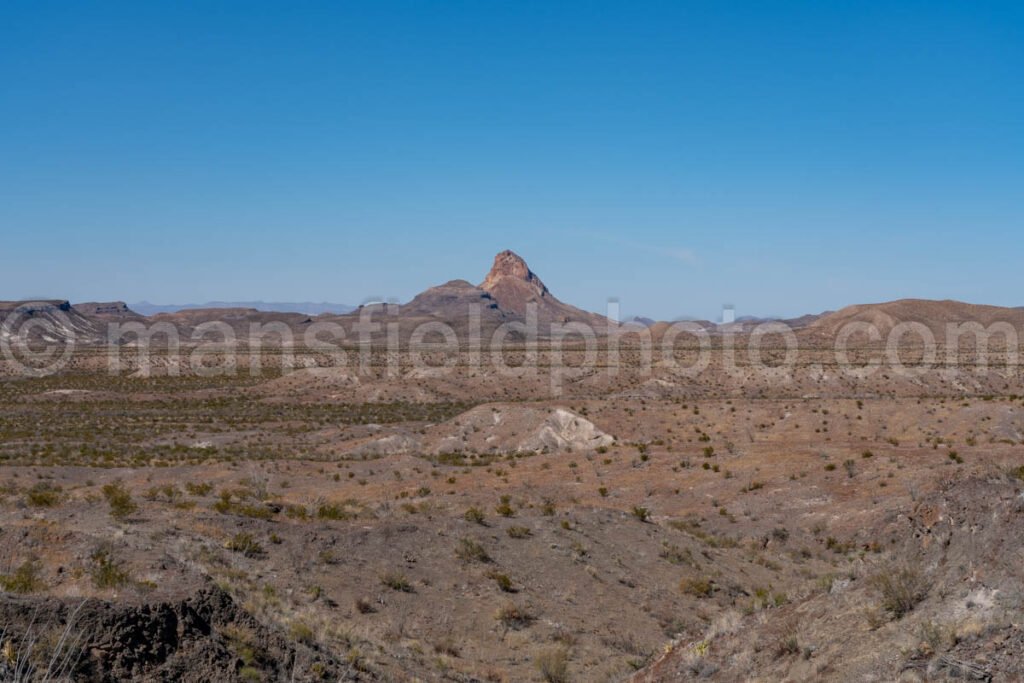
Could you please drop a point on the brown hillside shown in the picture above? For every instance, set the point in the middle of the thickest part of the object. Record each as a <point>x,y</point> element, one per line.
<point>935,315</point>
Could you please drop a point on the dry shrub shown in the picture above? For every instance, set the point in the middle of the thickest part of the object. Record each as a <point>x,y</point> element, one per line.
<point>902,588</point>
<point>553,665</point>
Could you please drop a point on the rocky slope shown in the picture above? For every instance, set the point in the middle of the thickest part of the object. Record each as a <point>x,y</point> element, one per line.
<point>204,637</point>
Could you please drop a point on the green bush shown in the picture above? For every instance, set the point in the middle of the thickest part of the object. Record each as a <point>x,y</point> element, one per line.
<point>121,504</point>
<point>43,495</point>
<point>475,515</point>
<point>332,511</point>
<point>107,572</point>
<point>641,513</point>
<point>202,489</point>
<point>503,581</point>
<point>25,579</point>
<point>700,588</point>
<point>245,544</point>
<point>396,581</point>
<point>505,508</point>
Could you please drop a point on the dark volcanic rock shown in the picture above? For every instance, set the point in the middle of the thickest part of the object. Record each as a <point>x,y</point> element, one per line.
<point>206,637</point>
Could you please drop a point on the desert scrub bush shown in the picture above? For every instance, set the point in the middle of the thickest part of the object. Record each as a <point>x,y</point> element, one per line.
<point>503,581</point>
<point>697,587</point>
<point>692,527</point>
<point>43,495</point>
<point>513,616</point>
<point>901,589</point>
<point>518,532</point>
<point>447,646</point>
<point>254,511</point>
<point>120,501</point>
<point>396,581</point>
<point>106,570</point>
<point>553,665</point>
<point>227,506</point>
<point>788,646</point>
<point>764,598</point>
<point>25,579</point>
<point>333,511</point>
<point>469,550</point>
<point>169,493</point>
<point>475,515</point>
<point>301,632</point>
<point>202,489</point>
<point>675,554</point>
<point>641,513</point>
<point>245,544</point>
<point>504,507</point>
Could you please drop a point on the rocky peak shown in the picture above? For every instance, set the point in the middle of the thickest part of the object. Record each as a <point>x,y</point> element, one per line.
<point>508,265</point>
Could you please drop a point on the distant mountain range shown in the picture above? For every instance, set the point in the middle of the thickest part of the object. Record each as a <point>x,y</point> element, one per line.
<point>305,307</point>
<point>510,293</point>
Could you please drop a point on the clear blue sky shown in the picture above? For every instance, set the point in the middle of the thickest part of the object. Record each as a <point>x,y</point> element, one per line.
<point>786,157</point>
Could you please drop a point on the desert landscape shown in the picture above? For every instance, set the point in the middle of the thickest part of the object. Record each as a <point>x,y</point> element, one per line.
<point>511,342</point>
<point>590,508</point>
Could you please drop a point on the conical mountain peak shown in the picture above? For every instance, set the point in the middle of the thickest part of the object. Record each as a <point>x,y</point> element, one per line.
<point>509,265</point>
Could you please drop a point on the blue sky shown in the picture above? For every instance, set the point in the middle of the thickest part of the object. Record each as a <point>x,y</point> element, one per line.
<point>786,157</point>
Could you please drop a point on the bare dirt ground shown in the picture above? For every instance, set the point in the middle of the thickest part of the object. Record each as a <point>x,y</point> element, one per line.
<point>464,524</point>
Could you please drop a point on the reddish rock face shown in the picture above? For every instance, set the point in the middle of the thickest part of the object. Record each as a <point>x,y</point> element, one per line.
<point>510,266</point>
<point>513,284</point>
<point>514,287</point>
